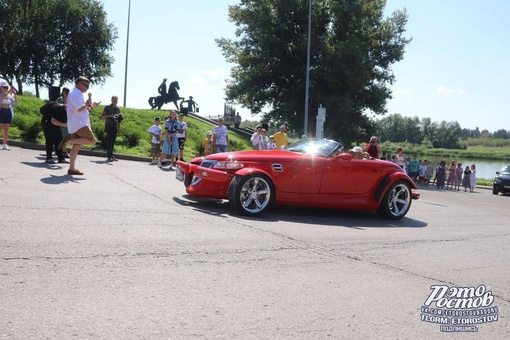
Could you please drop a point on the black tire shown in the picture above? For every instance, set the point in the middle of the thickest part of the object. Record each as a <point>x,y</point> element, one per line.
<point>397,201</point>
<point>495,192</point>
<point>188,179</point>
<point>251,195</point>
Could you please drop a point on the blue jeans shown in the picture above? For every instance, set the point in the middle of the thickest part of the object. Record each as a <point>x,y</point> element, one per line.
<point>221,148</point>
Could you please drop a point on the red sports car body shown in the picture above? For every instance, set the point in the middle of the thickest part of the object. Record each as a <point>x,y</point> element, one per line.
<point>310,172</point>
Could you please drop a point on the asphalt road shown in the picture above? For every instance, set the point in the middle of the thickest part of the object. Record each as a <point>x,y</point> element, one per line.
<point>123,253</point>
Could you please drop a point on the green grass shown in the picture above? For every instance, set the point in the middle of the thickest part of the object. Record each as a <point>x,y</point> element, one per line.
<point>133,138</point>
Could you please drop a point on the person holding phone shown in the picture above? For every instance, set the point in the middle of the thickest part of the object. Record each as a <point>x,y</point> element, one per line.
<point>8,97</point>
<point>78,121</point>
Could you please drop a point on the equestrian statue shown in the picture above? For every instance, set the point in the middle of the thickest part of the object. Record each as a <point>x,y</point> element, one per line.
<point>164,97</point>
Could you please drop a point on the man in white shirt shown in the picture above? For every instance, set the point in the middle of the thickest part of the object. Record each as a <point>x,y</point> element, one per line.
<point>78,121</point>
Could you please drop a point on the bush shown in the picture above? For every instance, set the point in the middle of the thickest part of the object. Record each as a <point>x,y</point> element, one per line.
<point>29,126</point>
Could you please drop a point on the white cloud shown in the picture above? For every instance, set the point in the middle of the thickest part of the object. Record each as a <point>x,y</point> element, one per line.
<point>446,91</point>
<point>209,81</point>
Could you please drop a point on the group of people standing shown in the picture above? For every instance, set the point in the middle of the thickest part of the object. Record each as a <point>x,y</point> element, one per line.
<point>424,173</point>
<point>455,176</point>
<point>67,121</point>
<point>261,141</point>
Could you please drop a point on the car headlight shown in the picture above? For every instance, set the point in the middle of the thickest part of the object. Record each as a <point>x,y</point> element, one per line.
<point>228,165</point>
<point>497,180</point>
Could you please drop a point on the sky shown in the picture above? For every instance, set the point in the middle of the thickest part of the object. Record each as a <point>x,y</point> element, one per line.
<point>455,69</point>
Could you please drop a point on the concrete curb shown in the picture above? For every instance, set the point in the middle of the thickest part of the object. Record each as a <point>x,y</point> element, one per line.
<point>35,146</point>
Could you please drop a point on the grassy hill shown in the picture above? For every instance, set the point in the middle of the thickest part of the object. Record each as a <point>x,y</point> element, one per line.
<point>133,138</point>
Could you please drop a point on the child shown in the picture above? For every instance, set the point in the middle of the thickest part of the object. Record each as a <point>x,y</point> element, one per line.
<point>155,131</point>
<point>207,144</point>
<point>271,145</point>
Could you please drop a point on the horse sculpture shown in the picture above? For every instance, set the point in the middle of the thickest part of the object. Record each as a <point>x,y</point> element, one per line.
<point>171,96</point>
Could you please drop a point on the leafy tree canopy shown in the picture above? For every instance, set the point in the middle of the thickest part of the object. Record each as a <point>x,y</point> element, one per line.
<point>352,49</point>
<point>51,42</point>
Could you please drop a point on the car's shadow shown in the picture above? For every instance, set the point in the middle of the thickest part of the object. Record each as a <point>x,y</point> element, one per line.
<point>356,219</point>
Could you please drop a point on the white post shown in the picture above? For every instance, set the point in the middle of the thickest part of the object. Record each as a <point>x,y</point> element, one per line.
<point>321,119</point>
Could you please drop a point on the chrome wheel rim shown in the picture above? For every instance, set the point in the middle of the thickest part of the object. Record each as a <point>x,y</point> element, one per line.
<point>399,200</point>
<point>255,195</point>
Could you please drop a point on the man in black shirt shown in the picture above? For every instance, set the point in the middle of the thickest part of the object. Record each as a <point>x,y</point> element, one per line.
<point>111,114</point>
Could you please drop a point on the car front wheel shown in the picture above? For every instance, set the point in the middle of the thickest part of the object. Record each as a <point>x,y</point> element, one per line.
<point>251,195</point>
<point>495,191</point>
<point>397,201</point>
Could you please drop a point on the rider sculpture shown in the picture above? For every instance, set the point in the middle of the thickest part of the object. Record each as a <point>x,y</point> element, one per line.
<point>164,97</point>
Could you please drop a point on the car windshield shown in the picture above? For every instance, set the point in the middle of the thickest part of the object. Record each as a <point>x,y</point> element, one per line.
<point>316,147</point>
<point>506,169</point>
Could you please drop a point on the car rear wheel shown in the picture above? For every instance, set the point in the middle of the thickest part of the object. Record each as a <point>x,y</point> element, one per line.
<point>251,195</point>
<point>397,201</point>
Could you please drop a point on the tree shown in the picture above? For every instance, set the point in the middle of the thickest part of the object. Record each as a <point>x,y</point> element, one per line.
<point>353,48</point>
<point>78,41</point>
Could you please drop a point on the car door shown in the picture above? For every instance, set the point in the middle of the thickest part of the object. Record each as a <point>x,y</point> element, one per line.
<point>350,176</point>
<point>301,174</point>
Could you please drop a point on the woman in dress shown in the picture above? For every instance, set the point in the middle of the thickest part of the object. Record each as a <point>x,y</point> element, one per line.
<point>452,176</point>
<point>400,158</point>
<point>472,178</point>
<point>458,174</point>
<point>441,175</point>
<point>466,182</point>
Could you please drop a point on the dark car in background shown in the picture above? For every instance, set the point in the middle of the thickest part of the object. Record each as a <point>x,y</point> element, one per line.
<point>502,181</point>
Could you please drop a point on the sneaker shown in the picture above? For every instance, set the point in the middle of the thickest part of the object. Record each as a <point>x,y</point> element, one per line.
<point>109,159</point>
<point>172,167</point>
<point>154,161</point>
<point>6,147</point>
<point>74,172</point>
<point>115,159</point>
<point>50,161</point>
<point>160,165</point>
<point>63,161</point>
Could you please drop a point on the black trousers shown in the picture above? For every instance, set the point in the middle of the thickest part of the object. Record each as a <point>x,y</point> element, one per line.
<point>111,135</point>
<point>53,136</point>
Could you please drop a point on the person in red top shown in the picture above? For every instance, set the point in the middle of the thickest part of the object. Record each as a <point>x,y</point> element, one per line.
<point>373,148</point>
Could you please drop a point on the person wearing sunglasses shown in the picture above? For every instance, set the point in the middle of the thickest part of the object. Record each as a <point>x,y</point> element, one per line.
<point>78,121</point>
<point>8,97</point>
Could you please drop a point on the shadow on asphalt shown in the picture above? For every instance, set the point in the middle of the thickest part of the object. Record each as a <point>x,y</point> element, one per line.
<point>45,165</point>
<point>53,179</point>
<point>356,219</point>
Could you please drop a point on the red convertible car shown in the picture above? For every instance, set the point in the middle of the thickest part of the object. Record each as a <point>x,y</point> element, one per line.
<point>310,172</point>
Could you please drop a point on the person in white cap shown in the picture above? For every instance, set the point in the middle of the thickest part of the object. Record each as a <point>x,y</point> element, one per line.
<point>8,97</point>
<point>280,138</point>
<point>358,153</point>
